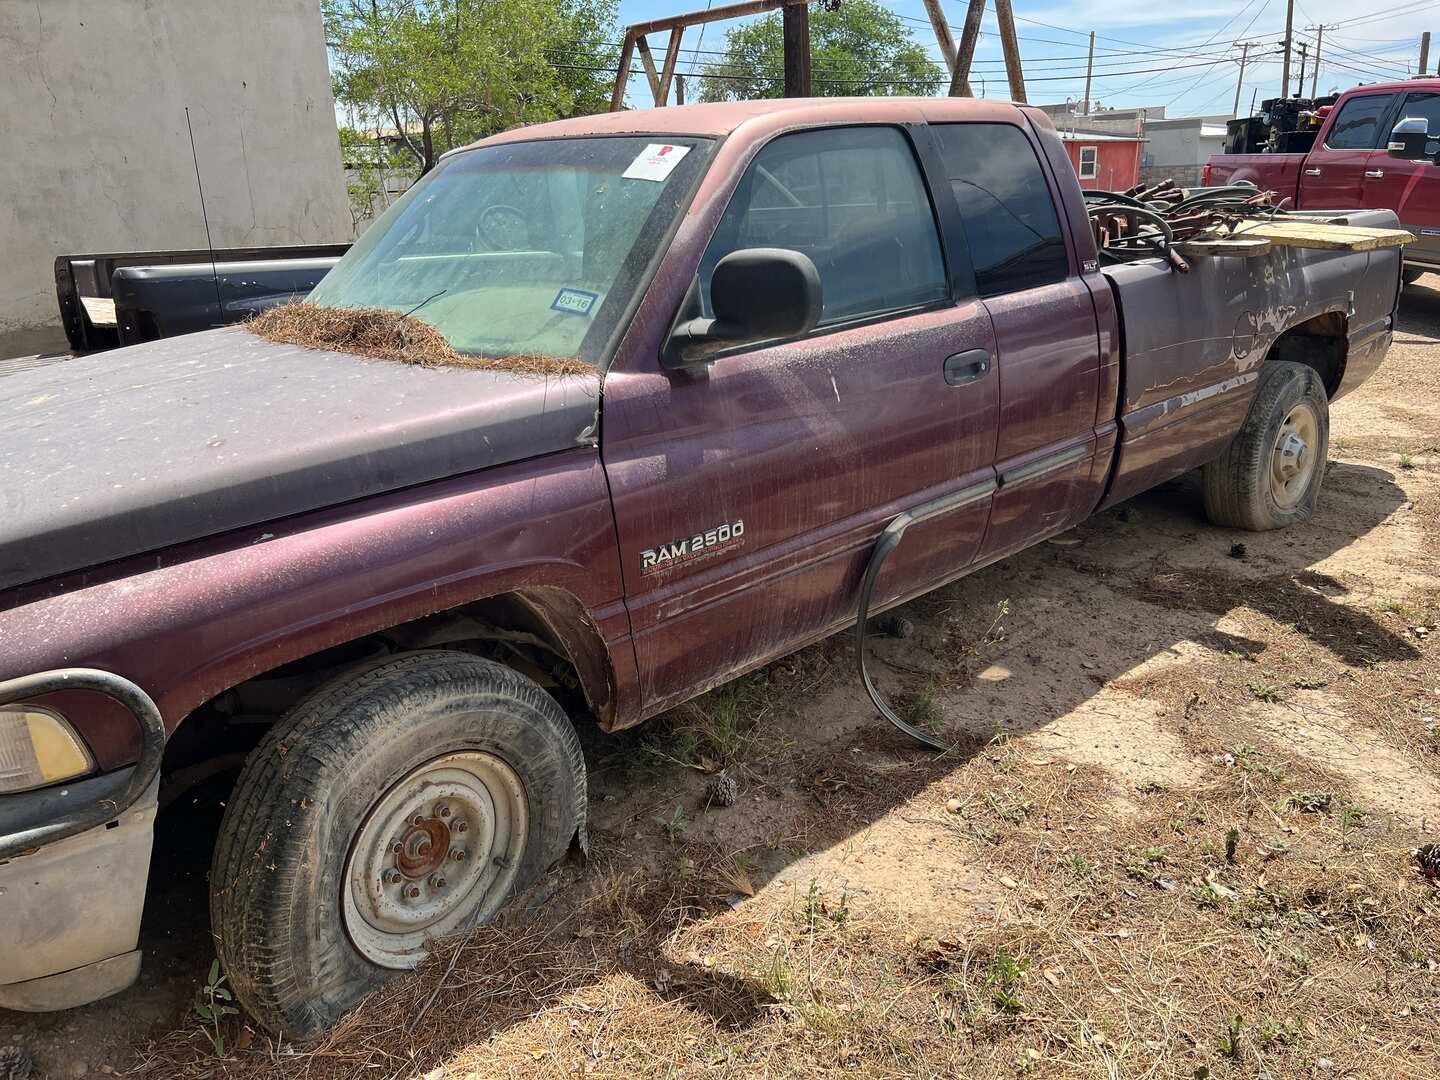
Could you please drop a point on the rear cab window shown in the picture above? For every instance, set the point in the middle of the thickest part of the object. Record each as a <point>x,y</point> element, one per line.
<point>1357,126</point>
<point>853,200</point>
<point>1008,212</point>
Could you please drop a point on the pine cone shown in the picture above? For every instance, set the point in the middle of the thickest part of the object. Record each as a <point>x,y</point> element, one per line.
<point>1427,858</point>
<point>721,790</point>
<point>15,1064</point>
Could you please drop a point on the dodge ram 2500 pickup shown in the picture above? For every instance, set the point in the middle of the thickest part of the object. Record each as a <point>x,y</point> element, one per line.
<point>387,593</point>
<point>1352,164</point>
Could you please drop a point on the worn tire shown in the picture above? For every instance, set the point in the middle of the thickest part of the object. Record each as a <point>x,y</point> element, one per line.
<point>1240,489</point>
<point>280,872</point>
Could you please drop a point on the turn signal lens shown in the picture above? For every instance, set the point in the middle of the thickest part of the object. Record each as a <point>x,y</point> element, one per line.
<point>37,747</point>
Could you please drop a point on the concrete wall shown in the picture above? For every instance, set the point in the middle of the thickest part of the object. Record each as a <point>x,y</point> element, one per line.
<point>1178,149</point>
<point>94,154</point>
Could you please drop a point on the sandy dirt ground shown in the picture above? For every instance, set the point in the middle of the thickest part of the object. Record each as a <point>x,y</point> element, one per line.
<point>1173,835</point>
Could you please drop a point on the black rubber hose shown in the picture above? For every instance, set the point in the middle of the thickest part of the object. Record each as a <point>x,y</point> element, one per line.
<point>152,749</point>
<point>888,542</point>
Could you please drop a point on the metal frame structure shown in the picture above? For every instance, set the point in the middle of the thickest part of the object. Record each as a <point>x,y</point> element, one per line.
<point>797,47</point>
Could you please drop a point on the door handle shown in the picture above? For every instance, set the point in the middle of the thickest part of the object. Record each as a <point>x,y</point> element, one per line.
<point>966,367</point>
<point>1375,174</point>
<point>1312,172</point>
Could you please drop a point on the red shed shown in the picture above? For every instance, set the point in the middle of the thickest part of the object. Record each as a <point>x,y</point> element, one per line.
<point>1108,162</point>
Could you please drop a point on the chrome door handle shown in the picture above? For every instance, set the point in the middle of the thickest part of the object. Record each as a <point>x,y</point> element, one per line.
<point>1375,174</point>
<point>966,367</point>
<point>1312,172</point>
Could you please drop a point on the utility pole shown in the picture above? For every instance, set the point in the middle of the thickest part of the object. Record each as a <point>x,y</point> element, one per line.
<point>965,55</point>
<point>942,36</point>
<point>1300,82</point>
<point>1005,16</point>
<point>1424,52</point>
<point>1244,55</point>
<point>1289,33</point>
<point>1089,67</point>
<point>796,18</point>
<point>1315,72</point>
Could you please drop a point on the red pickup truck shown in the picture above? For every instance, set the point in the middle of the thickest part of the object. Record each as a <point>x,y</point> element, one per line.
<point>386,593</point>
<point>1350,167</point>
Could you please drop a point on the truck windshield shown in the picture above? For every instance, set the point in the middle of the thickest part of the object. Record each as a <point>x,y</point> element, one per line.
<point>530,248</point>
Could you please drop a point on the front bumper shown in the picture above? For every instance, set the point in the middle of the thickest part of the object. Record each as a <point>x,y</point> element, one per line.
<point>71,914</point>
<point>74,860</point>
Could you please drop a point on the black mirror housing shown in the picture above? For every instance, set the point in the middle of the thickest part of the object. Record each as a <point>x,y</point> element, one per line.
<point>757,294</point>
<point>1411,140</point>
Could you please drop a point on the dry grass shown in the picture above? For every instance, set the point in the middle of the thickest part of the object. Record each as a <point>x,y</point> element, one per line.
<point>390,335</point>
<point>1224,929</point>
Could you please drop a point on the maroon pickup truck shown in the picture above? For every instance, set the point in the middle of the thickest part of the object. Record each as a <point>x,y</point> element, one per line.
<point>385,594</point>
<point>1351,164</point>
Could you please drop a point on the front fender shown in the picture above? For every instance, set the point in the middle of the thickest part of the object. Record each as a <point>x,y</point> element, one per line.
<point>186,623</point>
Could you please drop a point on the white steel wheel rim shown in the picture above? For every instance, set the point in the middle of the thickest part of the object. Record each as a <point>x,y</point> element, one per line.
<point>1296,453</point>
<point>437,853</point>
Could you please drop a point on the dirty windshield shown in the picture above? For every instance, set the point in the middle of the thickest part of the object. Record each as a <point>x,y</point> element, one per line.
<point>531,248</point>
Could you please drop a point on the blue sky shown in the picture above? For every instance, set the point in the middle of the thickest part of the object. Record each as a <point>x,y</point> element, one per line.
<point>1180,55</point>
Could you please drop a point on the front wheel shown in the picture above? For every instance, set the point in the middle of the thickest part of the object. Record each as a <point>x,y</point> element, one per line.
<point>400,803</point>
<point>1270,474</point>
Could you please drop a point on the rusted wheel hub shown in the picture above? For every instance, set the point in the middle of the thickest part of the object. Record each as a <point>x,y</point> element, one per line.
<point>423,848</point>
<point>437,853</point>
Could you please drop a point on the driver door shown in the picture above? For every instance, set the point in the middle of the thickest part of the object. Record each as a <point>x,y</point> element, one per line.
<point>748,491</point>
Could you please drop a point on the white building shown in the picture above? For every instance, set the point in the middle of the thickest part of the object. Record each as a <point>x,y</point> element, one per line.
<point>1178,149</point>
<point>95,154</point>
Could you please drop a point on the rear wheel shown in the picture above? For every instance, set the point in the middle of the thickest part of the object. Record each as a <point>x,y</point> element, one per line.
<point>1270,474</point>
<point>400,803</point>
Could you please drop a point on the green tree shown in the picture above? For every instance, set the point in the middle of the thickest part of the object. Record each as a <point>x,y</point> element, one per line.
<point>858,49</point>
<point>441,73</point>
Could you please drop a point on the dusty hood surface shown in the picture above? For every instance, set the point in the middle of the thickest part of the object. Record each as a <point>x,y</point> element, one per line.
<point>129,451</point>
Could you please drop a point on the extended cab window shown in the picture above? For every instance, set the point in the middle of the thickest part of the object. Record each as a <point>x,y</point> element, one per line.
<point>853,200</point>
<point>1010,219</point>
<point>1357,126</point>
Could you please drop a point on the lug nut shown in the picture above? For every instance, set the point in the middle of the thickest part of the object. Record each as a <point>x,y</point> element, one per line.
<point>436,881</point>
<point>460,826</point>
<point>396,848</point>
<point>458,855</point>
<point>392,877</point>
<point>413,892</point>
<point>418,819</point>
<point>444,811</point>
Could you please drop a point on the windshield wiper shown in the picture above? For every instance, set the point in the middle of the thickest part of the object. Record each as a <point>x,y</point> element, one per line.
<point>422,303</point>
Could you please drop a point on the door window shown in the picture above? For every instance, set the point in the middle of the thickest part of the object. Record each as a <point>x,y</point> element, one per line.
<point>1356,128</point>
<point>1009,215</point>
<point>853,200</point>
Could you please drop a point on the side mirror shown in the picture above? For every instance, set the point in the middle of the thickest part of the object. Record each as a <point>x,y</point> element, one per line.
<point>756,294</point>
<point>1411,140</point>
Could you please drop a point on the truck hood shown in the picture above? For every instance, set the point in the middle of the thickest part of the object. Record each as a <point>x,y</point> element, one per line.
<point>133,450</point>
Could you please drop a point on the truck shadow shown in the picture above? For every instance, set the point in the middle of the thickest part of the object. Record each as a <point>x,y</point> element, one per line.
<point>1141,582</point>
<point>1420,310</point>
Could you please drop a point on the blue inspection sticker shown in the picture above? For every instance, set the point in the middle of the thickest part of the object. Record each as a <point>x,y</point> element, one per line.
<point>574,301</point>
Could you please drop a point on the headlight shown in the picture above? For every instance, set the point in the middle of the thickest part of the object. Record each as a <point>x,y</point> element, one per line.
<point>37,747</point>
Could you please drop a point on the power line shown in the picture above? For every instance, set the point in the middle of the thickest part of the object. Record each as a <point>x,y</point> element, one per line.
<point>1414,7</point>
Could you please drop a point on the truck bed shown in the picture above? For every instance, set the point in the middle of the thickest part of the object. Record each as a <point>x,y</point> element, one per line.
<point>196,289</point>
<point>1270,172</point>
<point>1194,342</point>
